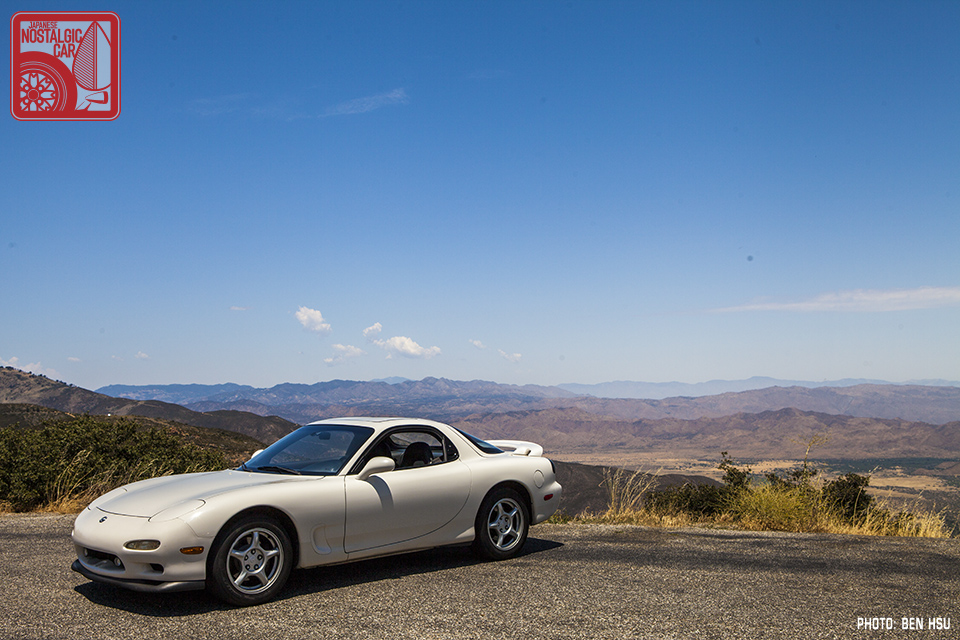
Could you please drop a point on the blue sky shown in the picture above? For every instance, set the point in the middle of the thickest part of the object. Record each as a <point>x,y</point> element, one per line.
<point>524,192</point>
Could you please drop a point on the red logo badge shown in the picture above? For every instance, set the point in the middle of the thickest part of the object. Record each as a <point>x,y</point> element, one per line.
<point>65,66</point>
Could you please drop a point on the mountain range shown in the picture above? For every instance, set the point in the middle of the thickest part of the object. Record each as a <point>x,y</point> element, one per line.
<point>661,390</point>
<point>187,393</point>
<point>20,387</point>
<point>774,434</point>
<point>452,399</point>
<point>861,421</point>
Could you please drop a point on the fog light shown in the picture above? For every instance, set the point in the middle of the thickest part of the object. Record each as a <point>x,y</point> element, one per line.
<point>117,562</point>
<point>142,545</point>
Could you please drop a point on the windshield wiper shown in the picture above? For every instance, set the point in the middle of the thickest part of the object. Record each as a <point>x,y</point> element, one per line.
<point>277,469</point>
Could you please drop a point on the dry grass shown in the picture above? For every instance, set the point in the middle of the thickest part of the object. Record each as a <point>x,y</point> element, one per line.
<point>764,507</point>
<point>626,490</point>
<point>769,508</point>
<point>915,522</point>
<point>74,488</point>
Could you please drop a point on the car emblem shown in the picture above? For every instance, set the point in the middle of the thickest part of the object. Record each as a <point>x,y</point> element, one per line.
<point>103,518</point>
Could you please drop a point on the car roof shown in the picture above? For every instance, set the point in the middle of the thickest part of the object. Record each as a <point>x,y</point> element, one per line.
<point>378,423</point>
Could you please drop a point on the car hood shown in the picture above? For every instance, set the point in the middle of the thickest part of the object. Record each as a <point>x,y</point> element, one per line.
<point>148,498</point>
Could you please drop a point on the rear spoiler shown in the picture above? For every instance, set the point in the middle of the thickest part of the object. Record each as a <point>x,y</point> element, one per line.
<point>518,447</point>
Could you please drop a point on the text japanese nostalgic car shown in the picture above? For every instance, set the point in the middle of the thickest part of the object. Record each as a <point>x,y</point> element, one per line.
<point>332,491</point>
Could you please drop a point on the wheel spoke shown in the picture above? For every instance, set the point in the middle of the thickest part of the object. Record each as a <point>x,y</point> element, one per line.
<point>261,576</point>
<point>239,580</point>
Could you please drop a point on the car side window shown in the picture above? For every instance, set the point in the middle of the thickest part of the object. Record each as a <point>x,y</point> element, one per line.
<point>420,448</point>
<point>415,448</point>
<point>411,449</point>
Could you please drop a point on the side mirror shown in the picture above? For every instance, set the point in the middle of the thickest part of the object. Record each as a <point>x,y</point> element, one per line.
<point>256,453</point>
<point>378,464</point>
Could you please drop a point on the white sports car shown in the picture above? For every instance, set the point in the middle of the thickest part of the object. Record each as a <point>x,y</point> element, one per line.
<point>332,491</point>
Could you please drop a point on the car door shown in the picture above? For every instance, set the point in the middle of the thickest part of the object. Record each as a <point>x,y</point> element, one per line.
<point>418,497</point>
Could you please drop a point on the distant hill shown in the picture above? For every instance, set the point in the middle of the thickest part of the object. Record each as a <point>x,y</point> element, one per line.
<point>20,387</point>
<point>452,400</point>
<point>935,405</point>
<point>764,435</point>
<point>437,398</point>
<point>661,390</point>
<point>861,421</point>
<point>176,393</point>
<point>236,447</point>
<point>338,391</point>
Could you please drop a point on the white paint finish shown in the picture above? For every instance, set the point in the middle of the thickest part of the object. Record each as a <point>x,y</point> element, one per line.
<point>404,504</point>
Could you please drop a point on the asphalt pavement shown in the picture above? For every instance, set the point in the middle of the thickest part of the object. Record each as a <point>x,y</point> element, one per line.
<point>572,581</point>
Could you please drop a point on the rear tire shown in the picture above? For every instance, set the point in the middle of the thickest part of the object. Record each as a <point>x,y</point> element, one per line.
<point>250,561</point>
<point>502,524</point>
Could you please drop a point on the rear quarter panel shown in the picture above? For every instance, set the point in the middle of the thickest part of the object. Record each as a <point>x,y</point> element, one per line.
<point>533,473</point>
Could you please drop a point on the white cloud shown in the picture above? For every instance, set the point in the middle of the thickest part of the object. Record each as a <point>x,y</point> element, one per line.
<point>406,347</point>
<point>33,367</point>
<point>368,103</point>
<point>141,356</point>
<point>371,332</point>
<point>511,357</point>
<point>344,352</point>
<point>312,320</point>
<point>235,308</point>
<point>863,300</point>
<point>73,359</point>
<point>478,344</point>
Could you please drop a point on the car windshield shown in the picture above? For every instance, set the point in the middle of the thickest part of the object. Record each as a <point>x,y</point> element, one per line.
<point>319,450</point>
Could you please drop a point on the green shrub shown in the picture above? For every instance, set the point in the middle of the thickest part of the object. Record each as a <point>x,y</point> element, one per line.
<point>701,500</point>
<point>734,478</point>
<point>848,495</point>
<point>63,460</point>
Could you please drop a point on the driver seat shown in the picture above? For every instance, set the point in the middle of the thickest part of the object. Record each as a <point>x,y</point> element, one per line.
<point>417,454</point>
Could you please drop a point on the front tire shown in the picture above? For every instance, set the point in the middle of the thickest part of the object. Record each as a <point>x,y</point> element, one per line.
<point>502,524</point>
<point>251,561</point>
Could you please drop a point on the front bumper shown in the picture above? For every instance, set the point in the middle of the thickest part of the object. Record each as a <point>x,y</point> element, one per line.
<point>100,537</point>
<point>148,586</point>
